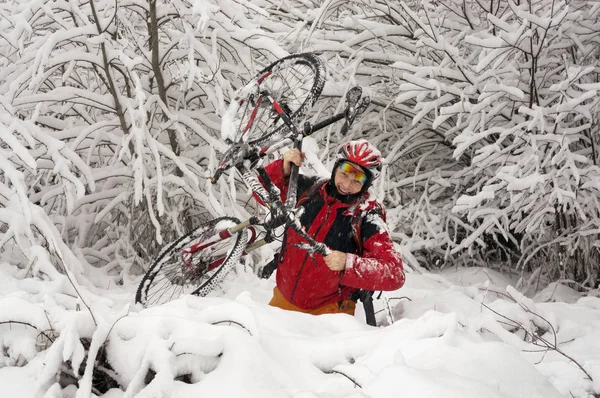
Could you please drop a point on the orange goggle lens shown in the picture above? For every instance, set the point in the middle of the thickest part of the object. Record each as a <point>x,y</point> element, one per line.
<point>349,168</point>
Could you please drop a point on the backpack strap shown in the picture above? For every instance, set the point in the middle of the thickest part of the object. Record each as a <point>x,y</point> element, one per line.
<point>355,224</point>
<point>366,296</point>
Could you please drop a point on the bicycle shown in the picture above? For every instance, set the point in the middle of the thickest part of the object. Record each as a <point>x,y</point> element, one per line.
<point>261,119</point>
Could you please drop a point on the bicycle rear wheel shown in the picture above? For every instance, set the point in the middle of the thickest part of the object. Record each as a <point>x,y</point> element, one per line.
<point>294,82</point>
<point>178,270</point>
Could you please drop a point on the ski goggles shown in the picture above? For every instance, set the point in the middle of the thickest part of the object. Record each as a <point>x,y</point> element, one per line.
<point>349,168</point>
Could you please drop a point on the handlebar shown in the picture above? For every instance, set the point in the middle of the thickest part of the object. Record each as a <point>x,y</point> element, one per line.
<point>285,213</point>
<point>240,151</point>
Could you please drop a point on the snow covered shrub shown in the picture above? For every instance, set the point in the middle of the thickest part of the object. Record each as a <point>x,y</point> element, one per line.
<point>486,113</point>
<point>111,112</point>
<point>513,88</point>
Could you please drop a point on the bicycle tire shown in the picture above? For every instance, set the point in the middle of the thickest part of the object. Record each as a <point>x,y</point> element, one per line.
<point>169,277</point>
<point>295,82</point>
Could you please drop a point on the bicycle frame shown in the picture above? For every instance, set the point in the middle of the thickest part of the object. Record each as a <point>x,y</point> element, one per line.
<point>265,119</point>
<point>282,212</point>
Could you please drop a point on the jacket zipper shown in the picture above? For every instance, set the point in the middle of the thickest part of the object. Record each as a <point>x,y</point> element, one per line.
<point>306,257</point>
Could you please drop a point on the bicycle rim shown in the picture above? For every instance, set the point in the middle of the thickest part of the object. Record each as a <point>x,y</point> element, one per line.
<point>176,272</point>
<point>294,82</point>
<point>216,278</point>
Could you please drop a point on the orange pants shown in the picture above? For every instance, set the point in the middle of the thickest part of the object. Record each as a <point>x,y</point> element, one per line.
<point>345,307</point>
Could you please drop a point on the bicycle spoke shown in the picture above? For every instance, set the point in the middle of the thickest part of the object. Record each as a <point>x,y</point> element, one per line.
<point>165,286</point>
<point>293,83</point>
<point>180,270</point>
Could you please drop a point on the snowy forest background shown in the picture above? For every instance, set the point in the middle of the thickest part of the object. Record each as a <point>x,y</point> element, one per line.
<point>487,112</point>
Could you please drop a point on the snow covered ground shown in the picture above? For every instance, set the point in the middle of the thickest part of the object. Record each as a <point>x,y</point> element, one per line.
<point>453,334</point>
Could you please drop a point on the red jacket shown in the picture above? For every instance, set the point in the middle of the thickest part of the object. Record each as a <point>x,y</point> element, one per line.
<point>305,280</point>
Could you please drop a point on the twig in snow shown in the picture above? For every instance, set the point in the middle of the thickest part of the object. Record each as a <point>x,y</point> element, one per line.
<point>346,376</point>
<point>30,325</point>
<point>235,323</point>
<point>393,298</point>
<point>535,340</point>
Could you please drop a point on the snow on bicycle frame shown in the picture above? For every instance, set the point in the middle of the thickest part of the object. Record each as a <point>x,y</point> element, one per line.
<point>266,117</point>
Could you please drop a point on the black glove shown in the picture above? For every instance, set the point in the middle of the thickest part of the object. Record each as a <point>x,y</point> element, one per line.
<point>267,270</point>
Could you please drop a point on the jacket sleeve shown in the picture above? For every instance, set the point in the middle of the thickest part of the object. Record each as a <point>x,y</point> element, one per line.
<point>275,172</point>
<point>379,267</point>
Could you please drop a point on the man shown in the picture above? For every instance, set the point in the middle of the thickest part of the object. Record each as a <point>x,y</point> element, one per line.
<point>339,213</point>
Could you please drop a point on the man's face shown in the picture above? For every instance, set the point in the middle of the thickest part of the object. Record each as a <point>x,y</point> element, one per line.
<point>349,178</point>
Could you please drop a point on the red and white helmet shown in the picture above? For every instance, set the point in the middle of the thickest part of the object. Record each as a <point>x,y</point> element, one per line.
<point>362,153</point>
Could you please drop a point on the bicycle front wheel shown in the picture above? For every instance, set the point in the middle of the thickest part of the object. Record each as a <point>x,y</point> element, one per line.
<point>193,264</point>
<point>294,83</point>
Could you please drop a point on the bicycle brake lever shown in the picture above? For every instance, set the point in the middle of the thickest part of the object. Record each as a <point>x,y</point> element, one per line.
<point>362,105</point>
<point>356,106</point>
<point>353,95</point>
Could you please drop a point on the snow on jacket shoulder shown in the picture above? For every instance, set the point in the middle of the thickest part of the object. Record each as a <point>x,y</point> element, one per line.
<point>374,264</point>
